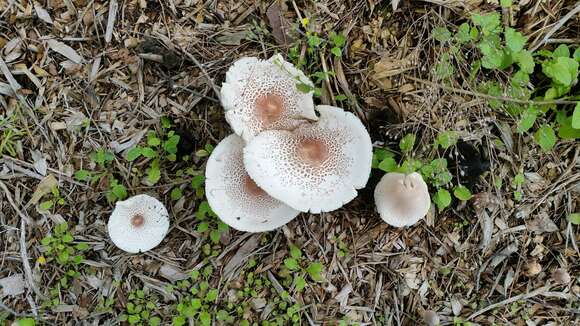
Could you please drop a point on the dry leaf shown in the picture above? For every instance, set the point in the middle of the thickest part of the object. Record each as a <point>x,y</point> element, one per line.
<point>12,285</point>
<point>65,50</point>
<point>42,13</point>
<point>44,187</point>
<point>279,25</point>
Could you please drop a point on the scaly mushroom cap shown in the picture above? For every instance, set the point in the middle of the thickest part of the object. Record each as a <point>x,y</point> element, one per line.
<point>262,94</point>
<point>318,166</point>
<point>138,224</point>
<point>235,197</point>
<point>402,199</point>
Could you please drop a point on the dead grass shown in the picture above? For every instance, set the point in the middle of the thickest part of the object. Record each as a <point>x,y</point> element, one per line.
<point>69,64</point>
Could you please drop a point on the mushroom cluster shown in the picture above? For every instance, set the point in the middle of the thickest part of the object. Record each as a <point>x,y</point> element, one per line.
<point>287,155</point>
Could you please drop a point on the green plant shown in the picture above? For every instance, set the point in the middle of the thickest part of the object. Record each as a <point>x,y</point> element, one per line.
<point>502,49</point>
<point>56,199</point>
<point>435,171</point>
<point>102,159</point>
<point>298,266</point>
<point>9,135</point>
<point>158,148</point>
<point>141,309</point>
<point>517,184</point>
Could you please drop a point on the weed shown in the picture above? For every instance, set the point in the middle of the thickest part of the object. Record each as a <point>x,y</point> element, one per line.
<point>298,266</point>
<point>501,49</point>
<point>141,309</point>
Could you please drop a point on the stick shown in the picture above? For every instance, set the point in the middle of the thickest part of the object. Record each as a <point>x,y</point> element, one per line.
<point>556,27</point>
<point>491,97</point>
<point>523,296</point>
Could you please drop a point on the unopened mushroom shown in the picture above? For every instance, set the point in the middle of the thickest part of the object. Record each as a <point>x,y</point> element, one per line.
<point>402,199</point>
<point>138,224</point>
<point>264,94</point>
<point>318,166</point>
<point>235,197</point>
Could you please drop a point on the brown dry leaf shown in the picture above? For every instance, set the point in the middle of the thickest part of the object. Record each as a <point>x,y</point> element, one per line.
<point>389,66</point>
<point>44,187</point>
<point>542,224</point>
<point>280,26</point>
<point>65,50</point>
<point>42,13</point>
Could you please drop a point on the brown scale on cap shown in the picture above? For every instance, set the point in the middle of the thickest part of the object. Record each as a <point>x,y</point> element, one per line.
<point>312,151</point>
<point>252,188</point>
<point>137,220</point>
<point>269,108</point>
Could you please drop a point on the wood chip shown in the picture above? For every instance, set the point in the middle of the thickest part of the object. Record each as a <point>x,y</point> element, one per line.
<point>113,6</point>
<point>12,285</point>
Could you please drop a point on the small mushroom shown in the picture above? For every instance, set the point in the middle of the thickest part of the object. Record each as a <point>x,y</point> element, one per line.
<point>235,197</point>
<point>318,166</point>
<point>138,224</point>
<point>263,94</point>
<point>402,199</point>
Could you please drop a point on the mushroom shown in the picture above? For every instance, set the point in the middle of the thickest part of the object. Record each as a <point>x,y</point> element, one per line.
<point>138,224</point>
<point>235,197</point>
<point>402,199</point>
<point>263,94</point>
<point>318,166</point>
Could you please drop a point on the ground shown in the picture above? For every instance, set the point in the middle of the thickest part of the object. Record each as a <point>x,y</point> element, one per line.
<point>447,88</point>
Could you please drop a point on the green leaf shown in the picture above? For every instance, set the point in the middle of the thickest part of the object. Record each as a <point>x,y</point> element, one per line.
<point>315,271</point>
<point>574,218</point>
<point>546,137</point>
<point>338,39</point>
<point>82,246</point>
<point>463,34</point>
<point>67,238</point>
<point>388,165</point>
<point>291,264</point>
<point>119,191</point>
<point>205,318</point>
<point>561,70</point>
<point>576,117</point>
<point>462,193</point>
<point>176,194</point>
<point>525,61</point>
<point>561,51</point>
<point>148,152</point>
<point>527,119</point>
<point>154,321</point>
<point>576,54</point>
<point>441,34</point>
<point>154,173</point>
<point>565,131</point>
<point>211,295</point>
<point>341,97</point>
<point>133,154</point>
<point>170,145</point>
<point>407,142</point>
<point>197,181</point>
<point>447,139</point>
<point>442,199</point>
<point>295,252</point>
<point>514,40</point>
<point>153,141</point>
<point>46,205</point>
<point>490,23</point>
<point>505,3</point>
<point>214,236</point>
<point>304,88</point>
<point>82,175</point>
<point>336,51</point>
<point>26,322</point>
<point>299,283</point>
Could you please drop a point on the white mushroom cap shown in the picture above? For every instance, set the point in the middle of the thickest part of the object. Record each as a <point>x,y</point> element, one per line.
<point>138,224</point>
<point>262,94</point>
<point>235,197</point>
<point>318,166</point>
<point>402,199</point>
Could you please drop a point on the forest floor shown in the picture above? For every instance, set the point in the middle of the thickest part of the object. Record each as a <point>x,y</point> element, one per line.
<point>479,96</point>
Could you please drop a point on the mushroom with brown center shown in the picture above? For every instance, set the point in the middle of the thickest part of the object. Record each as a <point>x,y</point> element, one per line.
<point>263,94</point>
<point>138,224</point>
<point>235,197</point>
<point>402,199</point>
<point>316,167</point>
